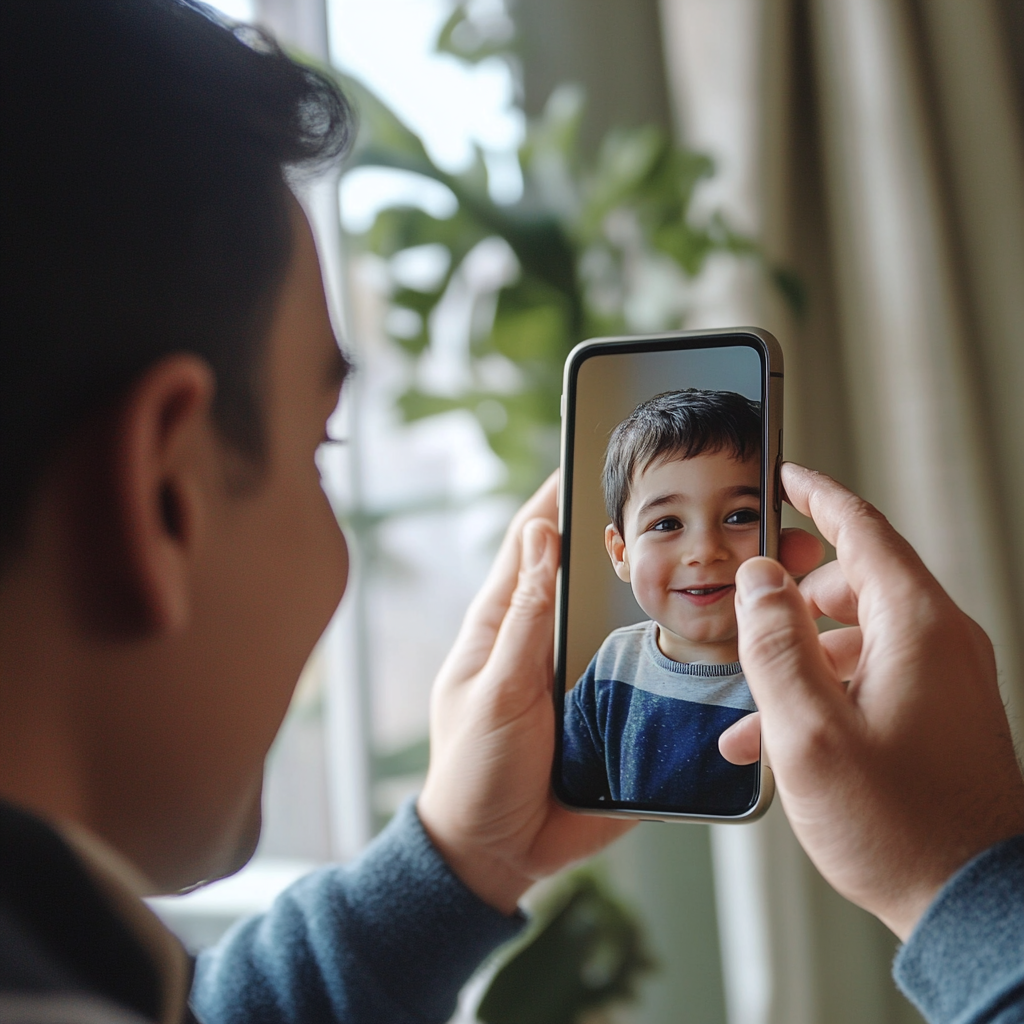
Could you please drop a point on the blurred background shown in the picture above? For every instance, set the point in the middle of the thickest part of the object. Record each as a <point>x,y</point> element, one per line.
<point>848,174</point>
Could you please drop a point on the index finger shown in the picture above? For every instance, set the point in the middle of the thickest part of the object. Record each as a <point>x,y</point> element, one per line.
<point>865,542</point>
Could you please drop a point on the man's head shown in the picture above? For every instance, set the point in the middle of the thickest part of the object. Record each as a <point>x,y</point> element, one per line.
<point>145,211</point>
<point>682,480</point>
<point>167,366</point>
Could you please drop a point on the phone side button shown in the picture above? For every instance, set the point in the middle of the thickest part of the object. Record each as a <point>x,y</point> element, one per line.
<point>777,495</point>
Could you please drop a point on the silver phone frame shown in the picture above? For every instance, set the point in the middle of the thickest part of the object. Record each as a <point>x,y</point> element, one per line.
<point>771,523</point>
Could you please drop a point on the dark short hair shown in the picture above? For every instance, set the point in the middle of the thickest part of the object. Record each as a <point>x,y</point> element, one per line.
<point>681,425</point>
<point>145,211</point>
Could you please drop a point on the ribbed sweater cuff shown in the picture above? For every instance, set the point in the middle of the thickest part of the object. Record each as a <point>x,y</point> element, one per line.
<point>964,961</point>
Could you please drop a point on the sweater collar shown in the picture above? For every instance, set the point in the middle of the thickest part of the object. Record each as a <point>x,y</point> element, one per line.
<point>82,901</point>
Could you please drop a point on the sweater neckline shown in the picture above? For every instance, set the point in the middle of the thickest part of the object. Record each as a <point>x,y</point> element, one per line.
<point>687,668</point>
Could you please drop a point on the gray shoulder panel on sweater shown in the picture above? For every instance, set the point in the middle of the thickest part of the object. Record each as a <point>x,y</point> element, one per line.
<point>630,655</point>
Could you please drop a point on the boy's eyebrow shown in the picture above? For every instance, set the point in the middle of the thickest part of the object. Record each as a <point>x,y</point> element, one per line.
<point>739,491</point>
<point>745,491</point>
<point>657,502</point>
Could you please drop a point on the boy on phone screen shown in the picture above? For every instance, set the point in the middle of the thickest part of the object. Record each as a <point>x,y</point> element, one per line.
<point>682,488</point>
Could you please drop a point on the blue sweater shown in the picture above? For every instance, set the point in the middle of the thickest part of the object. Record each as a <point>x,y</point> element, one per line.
<point>641,728</point>
<point>964,963</point>
<point>390,939</point>
<point>393,938</point>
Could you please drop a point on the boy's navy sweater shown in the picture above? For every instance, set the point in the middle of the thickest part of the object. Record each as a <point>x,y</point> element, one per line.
<point>642,728</point>
<point>391,939</point>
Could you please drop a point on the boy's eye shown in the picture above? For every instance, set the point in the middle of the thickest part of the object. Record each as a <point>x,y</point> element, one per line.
<point>666,524</point>
<point>743,517</point>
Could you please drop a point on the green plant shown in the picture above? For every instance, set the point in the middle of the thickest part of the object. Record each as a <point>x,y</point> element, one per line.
<point>584,951</point>
<point>599,246</point>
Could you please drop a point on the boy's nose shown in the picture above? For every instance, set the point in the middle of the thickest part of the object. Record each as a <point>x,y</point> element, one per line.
<point>706,545</point>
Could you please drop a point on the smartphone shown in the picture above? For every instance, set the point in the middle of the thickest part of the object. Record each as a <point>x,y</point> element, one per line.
<point>671,457</point>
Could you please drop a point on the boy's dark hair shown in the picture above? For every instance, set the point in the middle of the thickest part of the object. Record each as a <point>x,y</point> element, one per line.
<point>681,424</point>
<point>144,211</point>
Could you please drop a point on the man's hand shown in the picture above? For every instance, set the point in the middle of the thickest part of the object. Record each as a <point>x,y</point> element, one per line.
<point>487,801</point>
<point>889,742</point>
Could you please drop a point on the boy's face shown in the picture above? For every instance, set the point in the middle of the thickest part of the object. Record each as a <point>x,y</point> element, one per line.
<point>689,523</point>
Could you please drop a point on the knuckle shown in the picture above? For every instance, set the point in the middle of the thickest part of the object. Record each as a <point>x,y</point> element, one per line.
<point>774,644</point>
<point>816,741</point>
<point>855,510</point>
<point>980,640</point>
<point>774,623</point>
<point>531,598</point>
<point>844,508</point>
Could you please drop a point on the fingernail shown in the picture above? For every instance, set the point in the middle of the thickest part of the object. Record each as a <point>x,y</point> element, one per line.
<point>757,577</point>
<point>535,542</point>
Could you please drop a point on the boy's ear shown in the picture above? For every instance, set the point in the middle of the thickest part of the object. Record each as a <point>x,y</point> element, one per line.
<point>615,545</point>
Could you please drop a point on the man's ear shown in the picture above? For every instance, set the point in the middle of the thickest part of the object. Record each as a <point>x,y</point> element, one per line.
<point>162,462</point>
<point>615,545</point>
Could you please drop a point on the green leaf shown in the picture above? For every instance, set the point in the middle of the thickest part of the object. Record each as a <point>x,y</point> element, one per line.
<point>531,324</point>
<point>792,288</point>
<point>414,346</point>
<point>417,405</point>
<point>689,248</point>
<point>421,302</point>
<point>585,952</point>
<point>626,163</point>
<point>575,234</point>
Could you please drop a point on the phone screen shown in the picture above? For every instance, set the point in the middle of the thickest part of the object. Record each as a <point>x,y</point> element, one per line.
<point>667,479</point>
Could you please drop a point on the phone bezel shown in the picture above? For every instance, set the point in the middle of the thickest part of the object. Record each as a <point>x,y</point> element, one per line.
<point>772,376</point>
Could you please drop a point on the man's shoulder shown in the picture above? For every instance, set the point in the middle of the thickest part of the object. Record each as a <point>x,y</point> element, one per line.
<point>65,953</point>
<point>64,1008</point>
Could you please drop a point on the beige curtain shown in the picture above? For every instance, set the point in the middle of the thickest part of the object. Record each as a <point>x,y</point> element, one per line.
<point>877,152</point>
<point>894,185</point>
<point>892,173</point>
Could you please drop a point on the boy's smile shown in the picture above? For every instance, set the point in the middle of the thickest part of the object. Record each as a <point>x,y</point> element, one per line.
<point>702,596</point>
<point>689,524</point>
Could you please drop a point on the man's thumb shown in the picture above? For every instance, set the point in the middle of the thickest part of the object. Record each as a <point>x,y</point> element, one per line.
<point>779,649</point>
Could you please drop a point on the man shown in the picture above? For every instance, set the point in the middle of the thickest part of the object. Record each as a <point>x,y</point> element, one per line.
<point>169,558</point>
<point>168,562</point>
